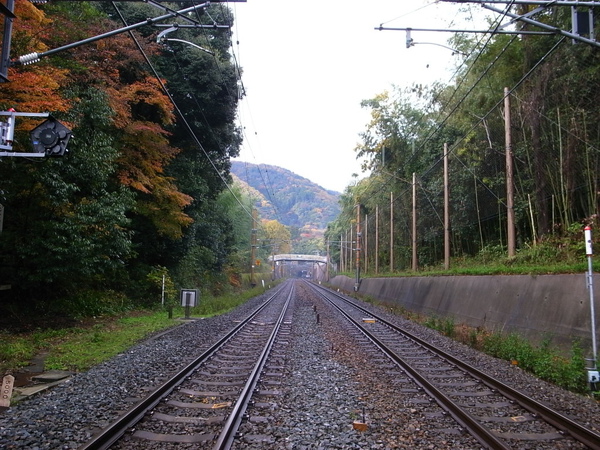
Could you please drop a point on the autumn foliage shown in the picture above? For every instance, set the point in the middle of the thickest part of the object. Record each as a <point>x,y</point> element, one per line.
<point>127,147</point>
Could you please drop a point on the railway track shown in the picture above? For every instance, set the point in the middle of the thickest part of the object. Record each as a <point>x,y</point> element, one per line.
<point>496,415</point>
<point>203,405</point>
<point>242,393</point>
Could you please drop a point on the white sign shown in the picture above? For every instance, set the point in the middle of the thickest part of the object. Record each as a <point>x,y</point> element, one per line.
<point>588,241</point>
<point>189,297</point>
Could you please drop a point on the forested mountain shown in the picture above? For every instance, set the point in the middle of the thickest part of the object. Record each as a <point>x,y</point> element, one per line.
<point>289,198</point>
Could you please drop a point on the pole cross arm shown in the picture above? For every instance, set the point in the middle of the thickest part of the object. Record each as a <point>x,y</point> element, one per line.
<point>34,57</point>
<point>544,26</point>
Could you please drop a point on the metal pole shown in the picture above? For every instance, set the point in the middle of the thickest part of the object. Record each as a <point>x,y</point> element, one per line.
<point>327,266</point>
<point>35,57</point>
<point>366,244</point>
<point>6,40</point>
<point>588,251</point>
<point>253,249</point>
<point>544,26</point>
<point>351,249</point>
<point>341,253</point>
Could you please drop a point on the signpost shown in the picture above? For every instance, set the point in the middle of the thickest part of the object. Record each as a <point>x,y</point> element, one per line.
<point>6,391</point>
<point>189,299</point>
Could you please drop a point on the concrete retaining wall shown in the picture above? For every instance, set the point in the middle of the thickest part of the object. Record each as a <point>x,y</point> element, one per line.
<point>536,307</point>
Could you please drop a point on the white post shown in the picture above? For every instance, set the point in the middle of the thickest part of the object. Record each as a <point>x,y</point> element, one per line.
<point>590,285</point>
<point>162,295</point>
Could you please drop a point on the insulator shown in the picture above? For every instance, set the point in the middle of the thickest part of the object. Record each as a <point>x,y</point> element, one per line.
<point>29,58</point>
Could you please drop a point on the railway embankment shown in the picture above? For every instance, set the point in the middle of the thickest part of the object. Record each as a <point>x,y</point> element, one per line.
<point>556,307</point>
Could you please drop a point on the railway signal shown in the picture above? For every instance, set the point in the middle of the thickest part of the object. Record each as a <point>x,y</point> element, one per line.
<point>50,137</point>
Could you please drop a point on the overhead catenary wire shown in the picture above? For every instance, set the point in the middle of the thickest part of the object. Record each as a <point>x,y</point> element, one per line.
<point>181,115</point>
<point>454,93</point>
<point>194,97</point>
<point>263,172</point>
<point>522,80</point>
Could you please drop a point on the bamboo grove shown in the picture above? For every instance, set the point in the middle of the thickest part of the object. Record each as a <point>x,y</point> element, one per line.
<point>554,111</point>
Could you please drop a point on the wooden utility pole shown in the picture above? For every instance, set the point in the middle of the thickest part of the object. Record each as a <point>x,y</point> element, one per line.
<point>446,211</point>
<point>391,232</point>
<point>350,249</point>
<point>510,206</point>
<point>253,249</point>
<point>377,239</point>
<point>342,253</point>
<point>415,263</point>
<point>366,244</point>
<point>358,244</point>
<point>327,266</point>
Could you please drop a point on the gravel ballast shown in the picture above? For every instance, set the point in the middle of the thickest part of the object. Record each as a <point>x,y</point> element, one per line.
<point>328,385</point>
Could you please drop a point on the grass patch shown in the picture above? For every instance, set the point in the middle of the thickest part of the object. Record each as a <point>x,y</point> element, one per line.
<point>81,349</point>
<point>544,361</point>
<point>77,348</point>
<point>553,255</point>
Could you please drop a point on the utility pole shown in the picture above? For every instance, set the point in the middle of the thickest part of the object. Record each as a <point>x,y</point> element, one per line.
<point>341,253</point>
<point>358,238</point>
<point>253,249</point>
<point>350,249</point>
<point>8,13</point>
<point>327,266</point>
<point>391,232</point>
<point>510,206</point>
<point>415,263</point>
<point>376,239</point>
<point>446,211</point>
<point>366,244</point>
<point>593,375</point>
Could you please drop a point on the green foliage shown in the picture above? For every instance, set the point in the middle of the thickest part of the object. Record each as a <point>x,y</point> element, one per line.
<point>65,225</point>
<point>91,304</point>
<point>445,325</point>
<point>542,360</point>
<point>130,195</point>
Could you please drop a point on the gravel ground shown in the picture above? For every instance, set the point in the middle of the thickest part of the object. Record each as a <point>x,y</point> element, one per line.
<point>329,383</point>
<point>68,415</point>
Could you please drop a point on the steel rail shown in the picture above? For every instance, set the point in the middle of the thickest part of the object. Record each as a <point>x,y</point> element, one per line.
<point>482,434</point>
<point>113,432</point>
<point>580,433</point>
<point>227,436</point>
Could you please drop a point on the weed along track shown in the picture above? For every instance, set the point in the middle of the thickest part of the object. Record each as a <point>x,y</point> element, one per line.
<point>302,367</point>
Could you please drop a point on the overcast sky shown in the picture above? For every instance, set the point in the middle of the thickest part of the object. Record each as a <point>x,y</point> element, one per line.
<point>308,65</point>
